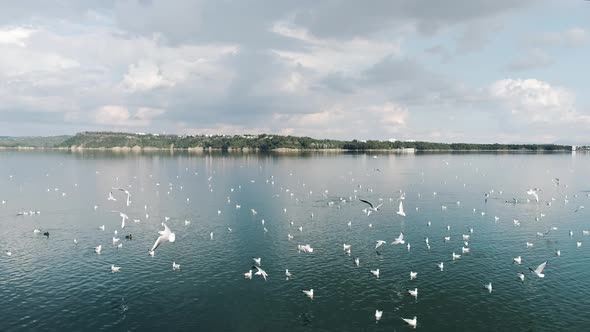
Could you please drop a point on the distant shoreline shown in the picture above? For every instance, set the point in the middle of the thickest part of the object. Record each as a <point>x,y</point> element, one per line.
<point>138,142</point>
<point>278,150</point>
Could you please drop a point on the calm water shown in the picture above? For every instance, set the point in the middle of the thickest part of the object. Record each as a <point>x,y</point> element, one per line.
<point>54,285</point>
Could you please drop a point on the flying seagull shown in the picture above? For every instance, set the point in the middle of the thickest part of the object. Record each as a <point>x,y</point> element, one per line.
<point>126,192</point>
<point>400,211</point>
<point>412,322</point>
<point>372,208</point>
<point>165,235</point>
<point>539,270</point>
<point>123,218</point>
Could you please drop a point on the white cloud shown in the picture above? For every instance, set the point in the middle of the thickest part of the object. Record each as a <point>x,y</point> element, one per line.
<point>573,37</point>
<point>146,75</point>
<point>532,100</point>
<point>15,35</point>
<point>345,121</point>
<point>116,115</point>
<point>326,55</point>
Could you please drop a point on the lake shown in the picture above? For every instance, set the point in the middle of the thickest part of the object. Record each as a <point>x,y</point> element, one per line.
<point>52,284</point>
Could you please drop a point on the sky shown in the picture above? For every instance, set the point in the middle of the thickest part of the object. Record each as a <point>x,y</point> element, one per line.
<point>477,71</point>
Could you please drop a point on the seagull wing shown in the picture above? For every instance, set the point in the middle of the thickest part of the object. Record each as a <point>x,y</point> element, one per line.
<point>371,204</point>
<point>378,206</point>
<point>540,268</point>
<point>157,243</point>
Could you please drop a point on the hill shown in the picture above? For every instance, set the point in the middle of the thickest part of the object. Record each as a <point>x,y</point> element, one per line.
<point>264,142</point>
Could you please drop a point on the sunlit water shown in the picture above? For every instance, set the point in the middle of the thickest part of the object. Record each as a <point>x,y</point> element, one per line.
<point>53,284</point>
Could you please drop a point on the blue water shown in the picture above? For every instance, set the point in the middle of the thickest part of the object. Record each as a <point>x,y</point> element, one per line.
<point>51,284</point>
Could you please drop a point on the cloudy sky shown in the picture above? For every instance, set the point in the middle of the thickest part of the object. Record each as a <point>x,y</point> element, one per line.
<point>450,71</point>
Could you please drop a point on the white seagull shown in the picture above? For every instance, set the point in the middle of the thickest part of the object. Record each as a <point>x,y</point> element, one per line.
<point>488,287</point>
<point>539,270</point>
<point>375,273</point>
<point>517,260</point>
<point>379,244</point>
<point>414,292</point>
<point>400,210</point>
<point>98,249</point>
<point>412,322</point>
<point>413,275</point>
<point>378,314</point>
<point>115,268</point>
<point>165,235</point>
<point>123,218</point>
<point>126,192</point>
<point>399,239</point>
<point>261,272</point>
<point>372,208</point>
<point>248,275</point>
<point>175,266</point>
<point>533,192</point>
<point>309,293</point>
<point>441,265</point>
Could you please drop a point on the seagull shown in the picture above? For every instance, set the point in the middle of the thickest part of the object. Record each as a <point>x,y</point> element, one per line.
<point>465,250</point>
<point>248,275</point>
<point>36,231</point>
<point>375,273</point>
<point>98,249</point>
<point>115,240</point>
<point>101,227</point>
<point>287,274</point>
<point>123,218</point>
<point>533,192</point>
<point>539,270</point>
<point>412,322</point>
<point>414,292</point>
<point>579,208</point>
<point>456,256</point>
<point>372,207</point>
<point>400,211</point>
<point>8,253</point>
<point>257,260</point>
<point>357,262</point>
<point>75,241</point>
<point>165,235</point>
<point>379,244</point>
<point>261,272</point>
<point>126,192</point>
<point>309,293</point>
<point>211,235</point>
<point>413,275</point>
<point>175,266</point>
<point>399,239</point>
<point>115,268</point>
<point>378,314</point>
<point>521,276</point>
<point>578,244</point>
<point>488,287</point>
<point>517,260</point>
<point>441,266</point>
<point>558,253</point>
<point>529,245</point>
<point>111,197</point>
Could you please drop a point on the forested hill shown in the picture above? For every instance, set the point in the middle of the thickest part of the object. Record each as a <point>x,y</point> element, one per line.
<point>273,142</point>
<point>32,141</point>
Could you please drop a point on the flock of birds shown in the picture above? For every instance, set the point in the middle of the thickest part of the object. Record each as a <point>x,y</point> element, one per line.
<point>166,235</point>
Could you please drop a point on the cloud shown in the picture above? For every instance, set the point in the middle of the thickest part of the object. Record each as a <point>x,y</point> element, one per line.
<point>533,59</point>
<point>532,100</point>
<point>573,37</point>
<point>145,75</point>
<point>328,55</point>
<point>15,35</point>
<point>116,115</point>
